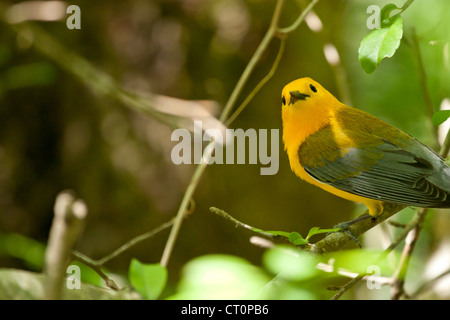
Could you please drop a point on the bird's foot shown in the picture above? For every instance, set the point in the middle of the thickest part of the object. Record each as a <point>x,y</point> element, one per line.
<point>344,227</point>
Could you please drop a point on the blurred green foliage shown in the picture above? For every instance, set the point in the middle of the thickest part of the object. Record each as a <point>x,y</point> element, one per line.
<point>55,133</point>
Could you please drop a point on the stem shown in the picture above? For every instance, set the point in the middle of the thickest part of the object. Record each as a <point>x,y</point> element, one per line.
<point>68,221</point>
<point>181,210</point>
<point>133,242</point>
<point>252,63</point>
<point>428,284</point>
<point>96,265</point>
<point>259,85</point>
<point>410,243</point>
<point>411,225</point>
<point>299,20</point>
<point>336,240</point>
<point>270,34</point>
<point>399,277</point>
<point>224,115</point>
<point>406,5</point>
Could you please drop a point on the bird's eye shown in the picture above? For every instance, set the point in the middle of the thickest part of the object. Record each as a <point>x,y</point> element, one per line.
<point>313,88</point>
<point>283,100</point>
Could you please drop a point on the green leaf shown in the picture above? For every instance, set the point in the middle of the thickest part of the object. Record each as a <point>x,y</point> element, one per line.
<point>147,279</point>
<point>380,43</point>
<point>317,230</point>
<point>440,117</point>
<point>221,277</point>
<point>290,263</point>
<point>297,239</point>
<point>30,251</point>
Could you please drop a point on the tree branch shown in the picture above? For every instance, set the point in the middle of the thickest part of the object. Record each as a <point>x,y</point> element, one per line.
<point>66,228</point>
<point>336,240</point>
<point>270,34</point>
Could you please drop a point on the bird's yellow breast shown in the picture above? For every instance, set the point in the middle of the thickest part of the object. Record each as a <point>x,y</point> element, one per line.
<point>304,118</point>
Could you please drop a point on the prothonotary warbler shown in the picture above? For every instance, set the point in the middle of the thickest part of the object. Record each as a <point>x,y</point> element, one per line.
<point>357,156</point>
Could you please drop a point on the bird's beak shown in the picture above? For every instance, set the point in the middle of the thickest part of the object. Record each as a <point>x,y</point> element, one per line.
<point>297,95</point>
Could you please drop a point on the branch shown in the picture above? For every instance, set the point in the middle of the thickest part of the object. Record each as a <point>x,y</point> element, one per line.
<point>97,265</point>
<point>428,284</point>
<point>299,20</point>
<point>410,243</point>
<point>270,34</point>
<point>336,240</point>
<point>410,226</point>
<point>259,85</point>
<point>399,277</point>
<point>66,227</point>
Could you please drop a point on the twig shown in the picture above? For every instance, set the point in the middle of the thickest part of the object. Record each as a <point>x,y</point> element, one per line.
<point>406,6</point>
<point>259,85</point>
<point>238,223</point>
<point>299,20</point>
<point>270,34</point>
<point>428,284</point>
<point>135,241</point>
<point>336,240</point>
<point>412,234</point>
<point>347,286</point>
<point>410,242</point>
<point>253,62</point>
<point>411,225</point>
<point>66,228</point>
<point>97,265</point>
<point>398,285</point>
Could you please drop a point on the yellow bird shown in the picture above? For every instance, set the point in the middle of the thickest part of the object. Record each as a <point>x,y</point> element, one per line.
<point>357,156</point>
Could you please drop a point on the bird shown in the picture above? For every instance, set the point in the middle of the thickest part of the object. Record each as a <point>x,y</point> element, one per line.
<point>357,156</point>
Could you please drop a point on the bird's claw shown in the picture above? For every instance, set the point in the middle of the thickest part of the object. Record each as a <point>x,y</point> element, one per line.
<point>345,226</point>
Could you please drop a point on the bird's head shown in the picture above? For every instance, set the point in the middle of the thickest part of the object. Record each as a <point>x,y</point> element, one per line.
<point>304,92</point>
<point>306,107</point>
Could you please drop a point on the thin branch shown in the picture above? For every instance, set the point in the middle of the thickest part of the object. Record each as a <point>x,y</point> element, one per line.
<point>97,265</point>
<point>399,277</point>
<point>66,227</point>
<point>270,34</point>
<point>410,226</point>
<point>428,284</point>
<point>240,224</point>
<point>253,62</point>
<point>411,239</point>
<point>259,85</point>
<point>336,240</point>
<point>299,20</point>
<point>347,286</point>
<point>133,242</point>
<point>406,5</point>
